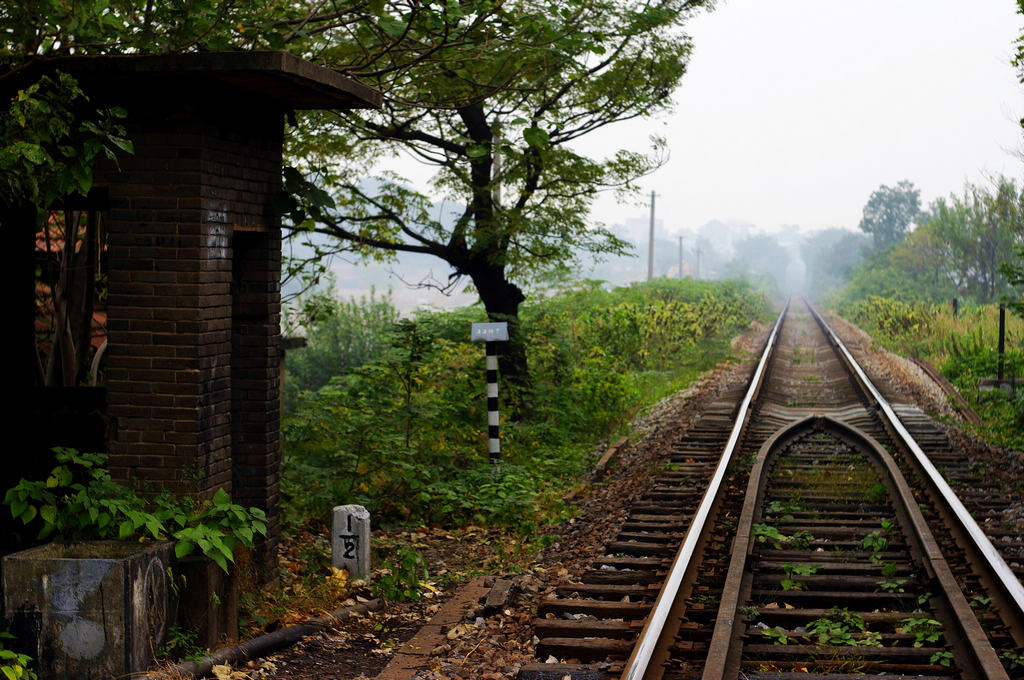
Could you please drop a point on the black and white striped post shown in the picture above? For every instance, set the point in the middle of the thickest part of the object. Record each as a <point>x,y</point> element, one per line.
<point>491,334</point>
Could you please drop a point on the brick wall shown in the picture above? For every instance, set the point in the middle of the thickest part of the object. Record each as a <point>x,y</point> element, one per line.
<point>255,376</point>
<point>194,304</point>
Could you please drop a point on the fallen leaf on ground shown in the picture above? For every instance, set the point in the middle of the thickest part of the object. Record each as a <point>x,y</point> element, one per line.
<point>458,631</point>
<point>225,673</point>
<point>339,576</point>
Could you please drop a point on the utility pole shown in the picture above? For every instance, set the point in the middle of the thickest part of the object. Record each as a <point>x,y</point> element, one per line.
<point>680,258</point>
<point>650,247</point>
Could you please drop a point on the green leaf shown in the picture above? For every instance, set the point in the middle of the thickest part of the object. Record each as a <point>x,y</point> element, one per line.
<point>137,518</point>
<point>478,150</point>
<point>154,527</point>
<point>245,535</point>
<point>275,40</point>
<point>48,513</point>
<point>393,27</point>
<point>29,514</point>
<point>226,551</point>
<point>123,144</point>
<point>219,559</point>
<point>125,530</point>
<point>18,507</point>
<point>221,498</point>
<point>183,548</point>
<point>536,137</point>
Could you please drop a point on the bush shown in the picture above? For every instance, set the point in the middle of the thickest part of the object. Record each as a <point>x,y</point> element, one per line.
<point>13,665</point>
<point>79,501</point>
<point>340,337</point>
<point>899,325</point>
<point>405,433</point>
<point>964,348</point>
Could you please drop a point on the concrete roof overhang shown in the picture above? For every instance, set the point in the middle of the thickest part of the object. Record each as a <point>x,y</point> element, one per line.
<point>279,78</point>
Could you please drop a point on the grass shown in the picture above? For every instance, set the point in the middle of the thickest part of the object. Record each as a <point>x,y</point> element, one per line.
<point>962,347</point>
<point>404,434</point>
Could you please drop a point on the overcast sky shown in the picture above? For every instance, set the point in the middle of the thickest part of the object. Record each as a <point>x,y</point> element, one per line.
<point>794,111</point>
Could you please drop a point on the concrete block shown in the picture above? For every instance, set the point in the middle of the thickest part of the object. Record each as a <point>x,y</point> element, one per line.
<point>350,540</point>
<point>89,610</point>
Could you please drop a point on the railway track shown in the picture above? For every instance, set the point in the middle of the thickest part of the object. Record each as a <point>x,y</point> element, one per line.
<point>801,528</point>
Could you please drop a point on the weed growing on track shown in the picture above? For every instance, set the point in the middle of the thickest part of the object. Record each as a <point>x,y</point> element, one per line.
<point>765,533</point>
<point>790,583</point>
<point>924,630</point>
<point>1012,661</point>
<point>876,494</point>
<point>891,586</point>
<point>843,627</point>
<point>874,542</point>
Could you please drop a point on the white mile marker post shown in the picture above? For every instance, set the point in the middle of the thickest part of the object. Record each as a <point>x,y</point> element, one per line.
<point>350,540</point>
<point>491,334</point>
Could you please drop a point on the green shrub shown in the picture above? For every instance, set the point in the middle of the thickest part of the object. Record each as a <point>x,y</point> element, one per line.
<point>14,666</point>
<point>79,501</point>
<point>896,324</point>
<point>340,337</point>
<point>964,348</point>
<point>402,577</point>
<point>405,433</point>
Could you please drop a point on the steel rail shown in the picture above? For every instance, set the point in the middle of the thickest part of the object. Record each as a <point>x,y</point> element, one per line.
<point>967,636</point>
<point>636,666</point>
<point>1004,575</point>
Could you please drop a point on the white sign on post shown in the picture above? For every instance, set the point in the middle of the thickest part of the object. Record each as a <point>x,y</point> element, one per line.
<point>489,332</point>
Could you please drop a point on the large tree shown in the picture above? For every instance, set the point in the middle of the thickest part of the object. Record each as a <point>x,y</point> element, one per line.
<point>830,256</point>
<point>976,232</point>
<point>763,254</point>
<point>43,161</point>
<point>493,94</point>
<point>50,135</point>
<point>1012,268</point>
<point>499,120</point>
<point>889,213</point>
<point>956,251</point>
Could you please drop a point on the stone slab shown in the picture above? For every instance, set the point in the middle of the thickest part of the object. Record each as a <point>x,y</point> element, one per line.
<point>413,655</point>
<point>88,610</point>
